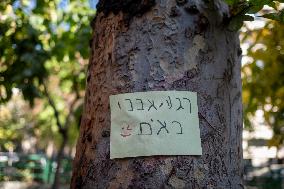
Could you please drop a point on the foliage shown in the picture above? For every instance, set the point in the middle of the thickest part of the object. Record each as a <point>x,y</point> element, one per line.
<point>35,33</point>
<point>263,77</point>
<point>43,53</point>
<point>243,10</point>
<point>15,123</point>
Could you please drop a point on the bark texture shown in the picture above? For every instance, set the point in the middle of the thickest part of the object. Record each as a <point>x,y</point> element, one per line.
<point>163,45</point>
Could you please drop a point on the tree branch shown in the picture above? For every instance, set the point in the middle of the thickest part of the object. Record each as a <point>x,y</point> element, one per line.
<point>73,103</point>
<point>52,104</point>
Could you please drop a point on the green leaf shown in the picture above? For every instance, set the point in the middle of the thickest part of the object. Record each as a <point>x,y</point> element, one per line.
<point>273,5</point>
<point>279,16</point>
<point>240,9</point>
<point>237,22</point>
<point>257,5</point>
<point>231,2</point>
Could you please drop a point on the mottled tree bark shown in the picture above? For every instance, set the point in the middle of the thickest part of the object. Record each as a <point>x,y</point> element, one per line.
<point>163,45</point>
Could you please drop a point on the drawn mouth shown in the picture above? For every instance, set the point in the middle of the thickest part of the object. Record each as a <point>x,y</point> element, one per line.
<point>123,135</point>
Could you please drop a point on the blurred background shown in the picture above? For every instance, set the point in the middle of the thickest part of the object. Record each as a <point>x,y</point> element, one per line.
<point>43,60</point>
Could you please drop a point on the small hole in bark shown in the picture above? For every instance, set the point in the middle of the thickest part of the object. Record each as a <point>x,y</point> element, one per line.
<point>105,134</point>
<point>88,78</point>
<point>79,183</point>
<point>108,155</point>
<point>181,2</point>
<point>192,9</point>
<point>188,33</point>
<point>93,21</point>
<point>240,52</point>
<point>89,137</point>
<point>202,24</point>
<point>109,56</point>
<point>94,146</point>
<point>174,12</point>
<point>226,19</point>
<point>101,119</point>
<point>90,43</point>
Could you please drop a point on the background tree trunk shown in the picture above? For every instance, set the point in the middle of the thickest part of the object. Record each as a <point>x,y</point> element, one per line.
<point>163,45</point>
<point>59,158</point>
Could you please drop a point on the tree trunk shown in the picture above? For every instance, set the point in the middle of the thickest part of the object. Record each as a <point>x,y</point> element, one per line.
<point>163,45</point>
<point>59,158</point>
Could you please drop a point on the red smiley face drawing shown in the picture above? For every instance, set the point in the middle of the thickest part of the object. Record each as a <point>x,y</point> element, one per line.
<point>126,131</point>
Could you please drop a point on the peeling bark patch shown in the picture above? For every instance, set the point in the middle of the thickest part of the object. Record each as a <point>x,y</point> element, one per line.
<point>192,53</point>
<point>198,174</point>
<point>176,182</point>
<point>124,175</point>
<point>166,167</point>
